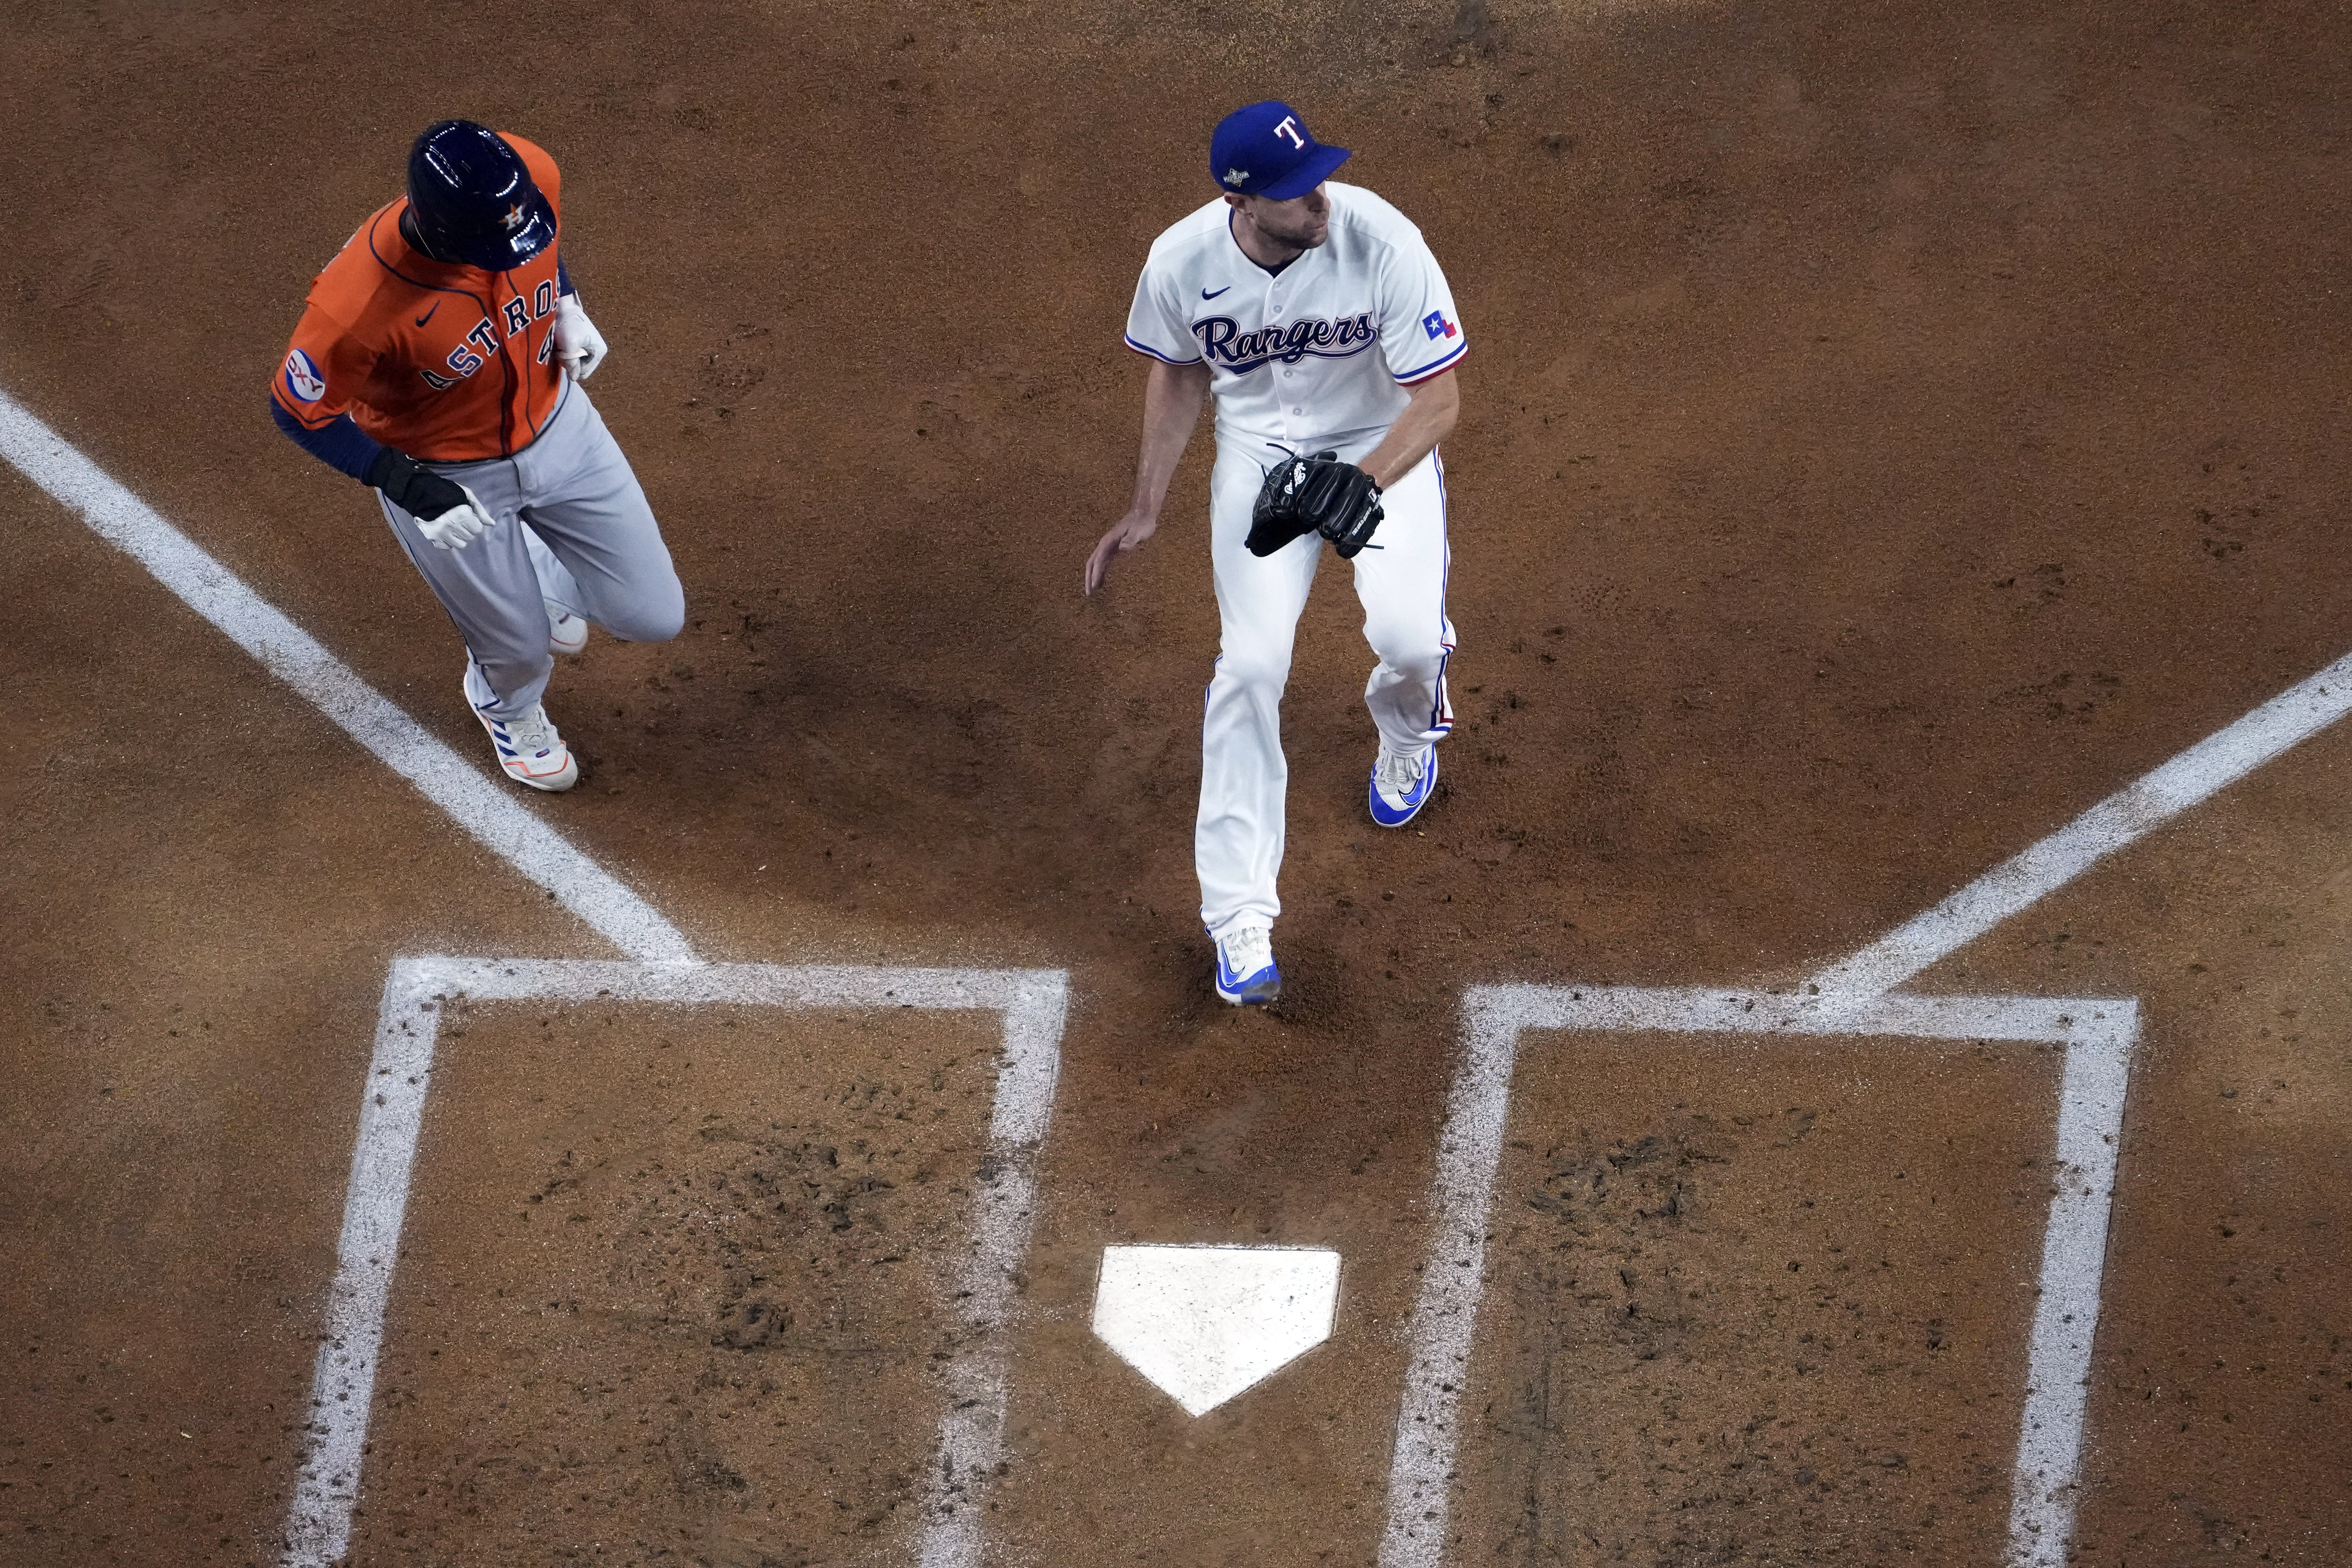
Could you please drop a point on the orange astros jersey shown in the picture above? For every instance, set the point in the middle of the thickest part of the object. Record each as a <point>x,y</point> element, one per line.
<point>436,359</point>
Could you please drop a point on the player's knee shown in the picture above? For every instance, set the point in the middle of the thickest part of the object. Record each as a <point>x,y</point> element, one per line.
<point>1411,650</point>
<point>650,617</point>
<point>1259,667</point>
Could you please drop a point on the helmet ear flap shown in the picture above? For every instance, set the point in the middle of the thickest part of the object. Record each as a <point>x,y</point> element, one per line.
<point>473,200</point>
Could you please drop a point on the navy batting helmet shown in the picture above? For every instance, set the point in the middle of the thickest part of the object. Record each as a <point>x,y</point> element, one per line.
<point>474,200</point>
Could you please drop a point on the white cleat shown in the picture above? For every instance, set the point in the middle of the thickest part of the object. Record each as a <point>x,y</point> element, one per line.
<point>566,633</point>
<point>529,749</point>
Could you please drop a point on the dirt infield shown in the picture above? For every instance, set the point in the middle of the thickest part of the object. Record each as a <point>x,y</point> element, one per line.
<point>1762,1332</point>
<point>695,1311</point>
<point>1886,432</point>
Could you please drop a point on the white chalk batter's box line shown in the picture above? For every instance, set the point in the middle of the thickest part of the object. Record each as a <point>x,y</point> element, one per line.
<point>2097,1036</point>
<point>1034,1003</point>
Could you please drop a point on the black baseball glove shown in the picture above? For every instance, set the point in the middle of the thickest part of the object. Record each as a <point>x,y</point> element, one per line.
<point>1314,495</point>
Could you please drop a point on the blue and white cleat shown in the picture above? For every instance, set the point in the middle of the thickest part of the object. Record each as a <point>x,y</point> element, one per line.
<point>529,749</point>
<point>1401,783</point>
<point>1245,971</point>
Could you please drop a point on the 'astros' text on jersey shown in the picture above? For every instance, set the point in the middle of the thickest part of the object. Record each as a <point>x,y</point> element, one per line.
<point>439,360</point>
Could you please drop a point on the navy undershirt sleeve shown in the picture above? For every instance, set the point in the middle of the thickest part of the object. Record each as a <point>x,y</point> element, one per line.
<point>564,284</point>
<point>341,445</point>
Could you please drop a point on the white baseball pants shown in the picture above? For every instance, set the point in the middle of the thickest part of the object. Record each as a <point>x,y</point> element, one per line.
<point>572,526</point>
<point>1401,579</point>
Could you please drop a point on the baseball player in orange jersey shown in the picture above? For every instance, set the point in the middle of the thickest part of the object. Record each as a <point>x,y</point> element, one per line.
<point>440,361</point>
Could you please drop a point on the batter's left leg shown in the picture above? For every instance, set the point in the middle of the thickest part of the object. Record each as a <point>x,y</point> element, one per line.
<point>582,499</point>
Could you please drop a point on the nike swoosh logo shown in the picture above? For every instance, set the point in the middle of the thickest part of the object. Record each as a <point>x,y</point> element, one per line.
<point>429,315</point>
<point>1206,295</point>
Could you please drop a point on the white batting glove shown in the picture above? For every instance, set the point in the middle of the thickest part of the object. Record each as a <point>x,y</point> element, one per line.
<point>578,344</point>
<point>459,526</point>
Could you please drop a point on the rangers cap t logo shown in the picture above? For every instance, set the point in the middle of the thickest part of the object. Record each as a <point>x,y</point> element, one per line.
<point>1267,148</point>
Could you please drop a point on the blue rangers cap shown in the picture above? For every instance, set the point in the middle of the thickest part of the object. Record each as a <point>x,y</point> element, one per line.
<point>1266,150</point>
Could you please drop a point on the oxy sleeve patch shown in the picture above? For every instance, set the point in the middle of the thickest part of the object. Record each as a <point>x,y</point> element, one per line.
<point>303,380</point>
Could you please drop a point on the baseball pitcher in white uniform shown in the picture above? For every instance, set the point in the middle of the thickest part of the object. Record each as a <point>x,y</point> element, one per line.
<point>1317,315</point>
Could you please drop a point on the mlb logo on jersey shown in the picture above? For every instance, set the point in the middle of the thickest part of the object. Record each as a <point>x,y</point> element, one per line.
<point>302,378</point>
<point>1437,326</point>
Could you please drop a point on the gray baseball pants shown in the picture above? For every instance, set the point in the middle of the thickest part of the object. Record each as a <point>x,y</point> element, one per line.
<point>571,492</point>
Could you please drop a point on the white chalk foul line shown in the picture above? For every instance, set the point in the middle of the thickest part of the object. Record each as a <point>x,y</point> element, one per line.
<point>487,809</point>
<point>392,1114</point>
<point>2097,1035</point>
<point>2219,760</point>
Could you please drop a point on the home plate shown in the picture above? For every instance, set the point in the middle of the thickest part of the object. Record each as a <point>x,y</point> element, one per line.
<point>1206,1322</point>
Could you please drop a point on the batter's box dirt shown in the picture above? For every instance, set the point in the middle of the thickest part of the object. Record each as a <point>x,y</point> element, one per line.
<point>1711,1347</point>
<point>1757,1305</point>
<point>703,1261</point>
<point>679,1303</point>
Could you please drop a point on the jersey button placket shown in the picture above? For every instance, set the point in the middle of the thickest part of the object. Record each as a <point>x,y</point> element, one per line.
<point>1274,302</point>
